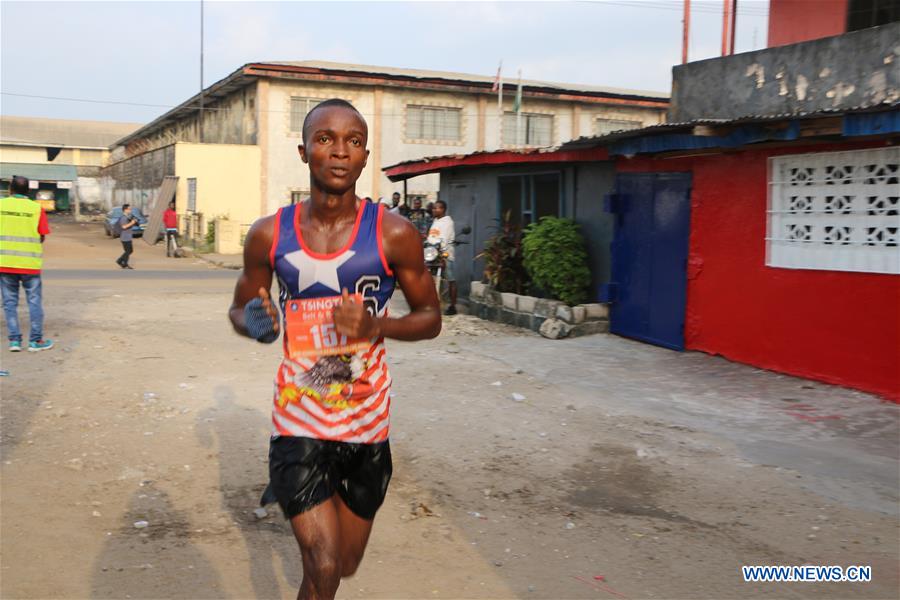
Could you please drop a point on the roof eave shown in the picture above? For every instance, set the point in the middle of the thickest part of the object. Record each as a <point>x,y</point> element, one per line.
<point>192,104</point>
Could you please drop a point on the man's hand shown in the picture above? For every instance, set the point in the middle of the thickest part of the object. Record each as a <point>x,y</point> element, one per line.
<point>261,318</point>
<point>353,320</point>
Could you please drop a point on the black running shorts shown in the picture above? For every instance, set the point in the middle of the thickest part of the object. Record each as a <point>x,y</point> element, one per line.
<point>304,472</point>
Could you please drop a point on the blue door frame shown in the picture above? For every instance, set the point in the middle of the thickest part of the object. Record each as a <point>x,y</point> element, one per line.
<point>648,281</point>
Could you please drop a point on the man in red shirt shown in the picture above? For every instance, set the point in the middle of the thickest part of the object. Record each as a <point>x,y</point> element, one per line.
<point>23,226</point>
<point>170,221</point>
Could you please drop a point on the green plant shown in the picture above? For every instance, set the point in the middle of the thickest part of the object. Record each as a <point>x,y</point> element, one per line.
<point>503,268</point>
<point>556,259</point>
<point>211,233</point>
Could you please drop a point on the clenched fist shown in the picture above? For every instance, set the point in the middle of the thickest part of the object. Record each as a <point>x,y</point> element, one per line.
<point>353,320</point>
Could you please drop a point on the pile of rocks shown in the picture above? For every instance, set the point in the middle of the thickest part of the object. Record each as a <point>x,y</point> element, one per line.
<point>551,318</point>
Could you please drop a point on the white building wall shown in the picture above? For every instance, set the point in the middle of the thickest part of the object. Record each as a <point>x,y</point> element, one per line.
<point>286,172</point>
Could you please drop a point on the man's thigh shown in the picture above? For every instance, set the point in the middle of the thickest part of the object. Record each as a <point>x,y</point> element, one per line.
<point>32,285</point>
<point>318,530</point>
<point>354,531</point>
<point>9,285</point>
<point>450,271</point>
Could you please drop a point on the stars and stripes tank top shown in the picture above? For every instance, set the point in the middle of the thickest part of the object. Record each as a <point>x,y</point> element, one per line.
<point>327,386</point>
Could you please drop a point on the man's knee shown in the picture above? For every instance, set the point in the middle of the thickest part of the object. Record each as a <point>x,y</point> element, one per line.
<point>324,566</point>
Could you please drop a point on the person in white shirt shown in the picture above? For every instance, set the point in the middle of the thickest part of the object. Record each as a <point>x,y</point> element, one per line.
<point>395,204</point>
<point>442,232</point>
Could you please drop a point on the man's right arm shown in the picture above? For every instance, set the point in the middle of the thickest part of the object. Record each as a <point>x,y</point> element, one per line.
<point>256,277</point>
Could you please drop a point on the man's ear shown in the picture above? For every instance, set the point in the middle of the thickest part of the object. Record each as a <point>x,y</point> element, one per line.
<point>302,150</point>
<point>366,161</point>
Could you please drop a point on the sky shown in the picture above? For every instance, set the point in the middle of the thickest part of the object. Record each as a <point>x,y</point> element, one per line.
<point>121,55</point>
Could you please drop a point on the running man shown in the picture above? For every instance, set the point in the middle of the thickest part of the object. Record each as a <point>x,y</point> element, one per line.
<point>337,259</point>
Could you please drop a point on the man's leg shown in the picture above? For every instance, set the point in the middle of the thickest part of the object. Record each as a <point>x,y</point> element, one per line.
<point>354,537</point>
<point>34,296</point>
<point>9,284</point>
<point>121,260</point>
<point>451,286</point>
<point>318,532</point>
<point>129,248</point>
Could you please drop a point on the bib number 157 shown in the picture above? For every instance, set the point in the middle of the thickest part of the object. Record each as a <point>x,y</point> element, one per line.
<point>326,337</point>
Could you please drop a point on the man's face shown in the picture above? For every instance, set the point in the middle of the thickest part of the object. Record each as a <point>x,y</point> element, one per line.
<point>395,199</point>
<point>335,148</point>
<point>439,210</point>
<point>127,211</point>
<point>417,204</point>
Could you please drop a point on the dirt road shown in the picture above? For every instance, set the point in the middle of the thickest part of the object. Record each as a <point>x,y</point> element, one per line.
<point>151,409</point>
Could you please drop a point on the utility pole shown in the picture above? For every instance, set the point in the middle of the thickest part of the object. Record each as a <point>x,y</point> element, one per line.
<point>729,22</point>
<point>201,73</point>
<point>686,33</point>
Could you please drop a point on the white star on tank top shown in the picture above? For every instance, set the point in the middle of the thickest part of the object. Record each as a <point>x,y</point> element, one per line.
<point>315,270</point>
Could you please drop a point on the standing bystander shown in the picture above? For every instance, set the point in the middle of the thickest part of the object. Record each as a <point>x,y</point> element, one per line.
<point>126,227</point>
<point>23,227</point>
<point>170,222</point>
<point>419,218</point>
<point>442,232</point>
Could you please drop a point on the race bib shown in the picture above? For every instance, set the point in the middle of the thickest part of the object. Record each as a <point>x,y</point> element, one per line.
<point>311,332</point>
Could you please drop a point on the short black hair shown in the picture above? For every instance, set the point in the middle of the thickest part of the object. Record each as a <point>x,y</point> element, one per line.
<point>18,185</point>
<point>442,203</point>
<point>325,104</point>
<point>124,206</point>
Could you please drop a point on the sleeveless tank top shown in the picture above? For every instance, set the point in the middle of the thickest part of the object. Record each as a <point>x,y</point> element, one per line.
<point>328,387</point>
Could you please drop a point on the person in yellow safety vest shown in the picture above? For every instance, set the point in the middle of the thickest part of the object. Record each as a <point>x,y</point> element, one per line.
<point>23,226</point>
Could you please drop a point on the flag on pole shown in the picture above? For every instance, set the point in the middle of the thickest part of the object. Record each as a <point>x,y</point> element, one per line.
<point>517,106</point>
<point>498,86</point>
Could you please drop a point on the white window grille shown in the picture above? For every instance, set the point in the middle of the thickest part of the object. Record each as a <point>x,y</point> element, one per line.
<point>836,211</point>
<point>604,126</point>
<point>300,107</point>
<point>433,123</point>
<point>528,130</point>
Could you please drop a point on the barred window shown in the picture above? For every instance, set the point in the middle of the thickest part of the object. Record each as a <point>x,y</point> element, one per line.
<point>298,196</point>
<point>300,107</point>
<point>528,130</point>
<point>433,123</point>
<point>837,211</point>
<point>603,126</point>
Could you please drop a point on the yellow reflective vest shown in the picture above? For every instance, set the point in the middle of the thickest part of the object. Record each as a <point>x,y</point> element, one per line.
<point>20,242</point>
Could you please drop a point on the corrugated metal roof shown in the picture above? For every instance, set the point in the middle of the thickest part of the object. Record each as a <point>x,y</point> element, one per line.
<point>39,172</point>
<point>509,82</point>
<point>590,141</point>
<point>881,121</point>
<point>62,132</point>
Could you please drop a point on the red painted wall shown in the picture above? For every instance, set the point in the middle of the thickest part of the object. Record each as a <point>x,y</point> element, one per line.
<point>837,327</point>
<point>792,21</point>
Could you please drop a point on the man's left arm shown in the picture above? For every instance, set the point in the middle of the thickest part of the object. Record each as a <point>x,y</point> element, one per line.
<point>43,226</point>
<point>403,250</point>
<point>451,234</point>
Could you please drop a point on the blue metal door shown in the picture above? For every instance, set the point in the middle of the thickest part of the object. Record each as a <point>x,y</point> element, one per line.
<point>649,257</point>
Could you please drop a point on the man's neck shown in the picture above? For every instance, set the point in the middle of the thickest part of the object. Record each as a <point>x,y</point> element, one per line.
<point>331,208</point>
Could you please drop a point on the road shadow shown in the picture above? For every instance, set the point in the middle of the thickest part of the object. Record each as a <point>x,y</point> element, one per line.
<point>243,474</point>
<point>158,561</point>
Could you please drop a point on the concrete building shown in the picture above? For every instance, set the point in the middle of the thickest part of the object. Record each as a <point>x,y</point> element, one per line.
<point>252,120</point>
<point>59,156</point>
